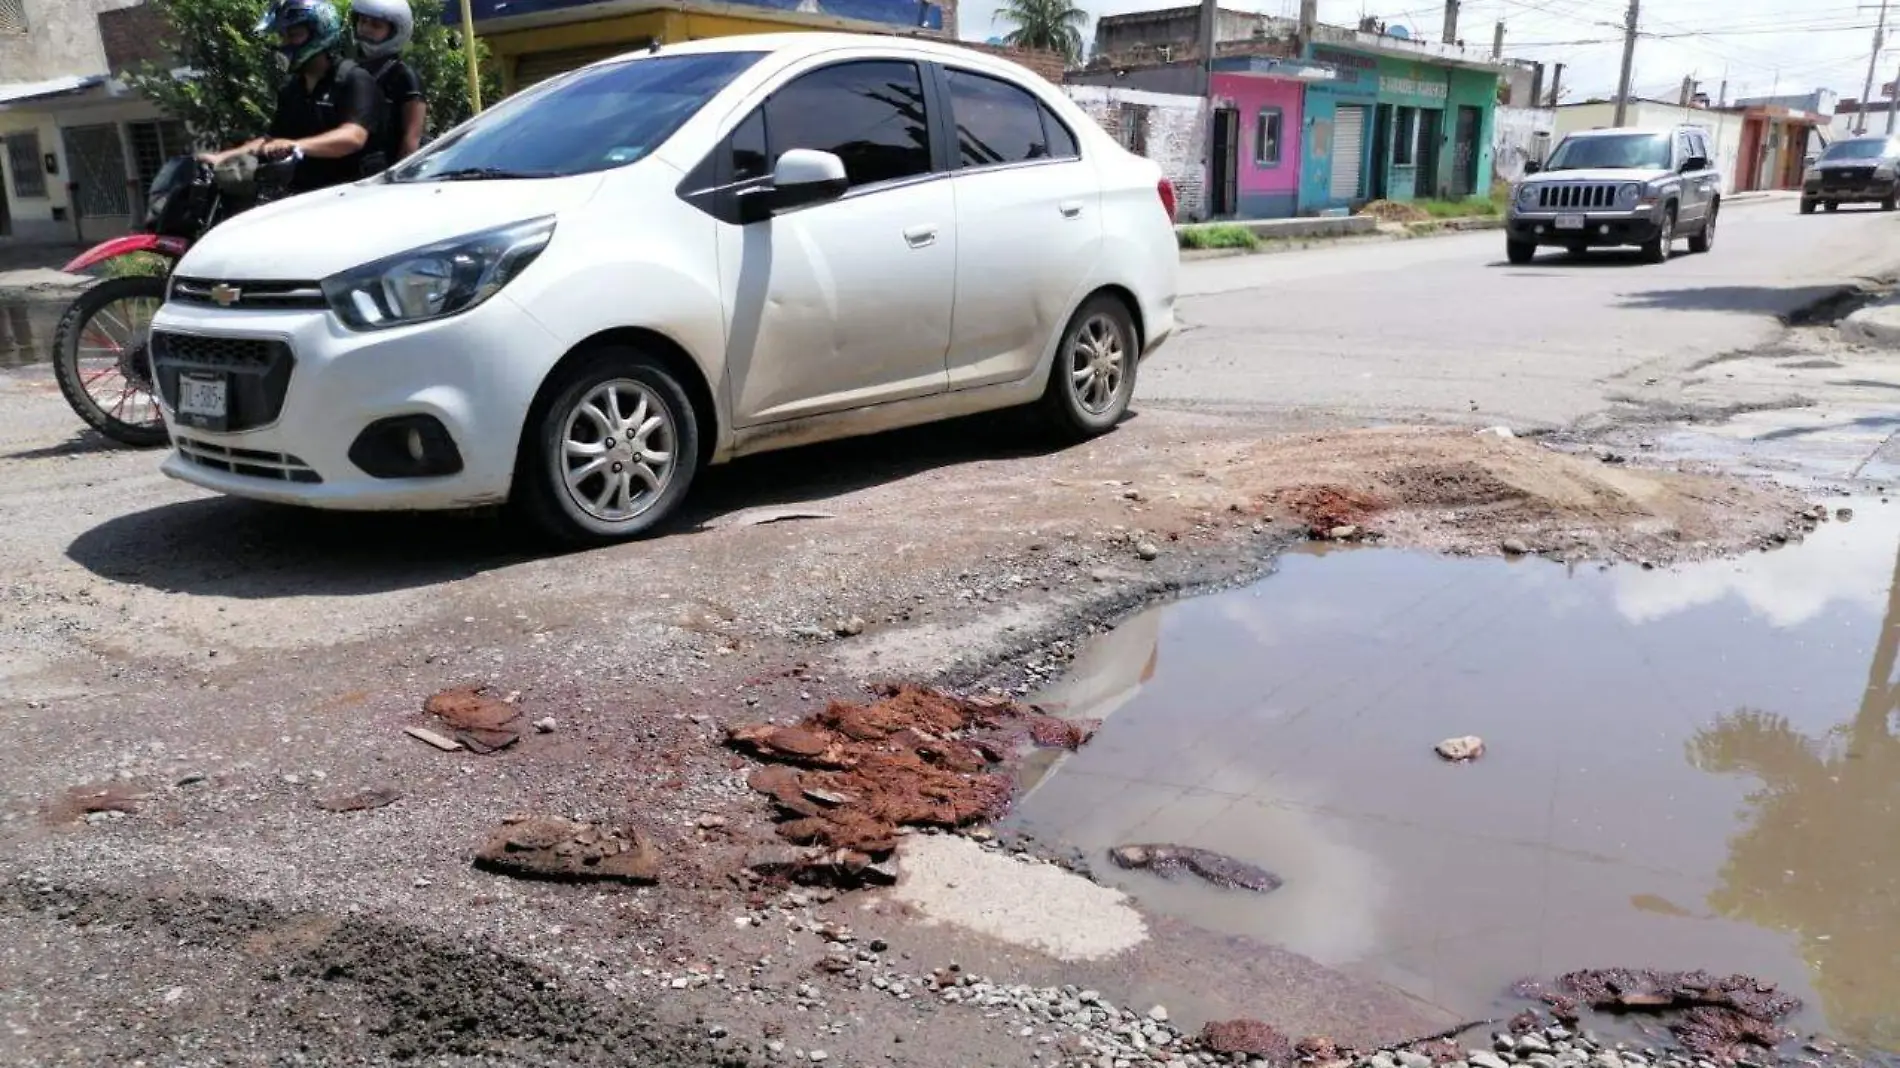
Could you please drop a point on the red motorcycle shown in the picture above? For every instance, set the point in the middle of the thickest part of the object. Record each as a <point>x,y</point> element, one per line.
<point>100,352</point>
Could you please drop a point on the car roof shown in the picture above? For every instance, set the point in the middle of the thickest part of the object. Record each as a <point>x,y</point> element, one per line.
<point>797,45</point>
<point>1629,131</point>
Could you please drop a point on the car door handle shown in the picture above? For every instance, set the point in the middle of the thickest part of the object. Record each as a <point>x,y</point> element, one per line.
<point>921,236</point>
<point>1070,208</point>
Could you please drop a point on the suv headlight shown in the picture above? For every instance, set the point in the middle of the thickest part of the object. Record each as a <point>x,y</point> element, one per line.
<point>1813,174</point>
<point>1527,195</point>
<point>1628,194</point>
<point>1884,172</point>
<point>437,280</point>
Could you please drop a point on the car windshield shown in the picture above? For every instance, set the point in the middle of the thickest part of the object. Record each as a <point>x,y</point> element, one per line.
<point>1649,152</point>
<point>1869,148</point>
<point>590,120</point>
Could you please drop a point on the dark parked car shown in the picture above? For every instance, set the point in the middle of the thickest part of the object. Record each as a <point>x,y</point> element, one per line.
<point>1859,170</point>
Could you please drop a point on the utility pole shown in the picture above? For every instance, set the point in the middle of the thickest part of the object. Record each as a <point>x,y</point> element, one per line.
<point>1451,21</point>
<point>1893,104</point>
<point>1309,21</point>
<point>1629,63</point>
<point>1867,91</point>
<point>1210,17</point>
<point>1688,90</point>
<point>1556,85</point>
<point>1497,41</point>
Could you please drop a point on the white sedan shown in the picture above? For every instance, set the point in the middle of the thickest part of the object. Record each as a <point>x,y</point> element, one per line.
<point>577,300</point>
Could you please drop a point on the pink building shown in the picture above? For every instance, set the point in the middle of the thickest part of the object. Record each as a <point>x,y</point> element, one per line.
<point>1256,151</point>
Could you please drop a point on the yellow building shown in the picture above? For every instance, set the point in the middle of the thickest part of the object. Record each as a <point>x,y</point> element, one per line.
<point>532,40</point>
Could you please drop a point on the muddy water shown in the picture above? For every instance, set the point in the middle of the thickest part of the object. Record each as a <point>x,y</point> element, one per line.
<point>26,331</point>
<point>1688,768</point>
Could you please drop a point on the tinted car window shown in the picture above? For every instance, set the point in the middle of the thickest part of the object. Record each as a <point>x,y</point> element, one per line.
<point>1062,143</point>
<point>747,145</point>
<point>869,114</point>
<point>1860,148</point>
<point>1617,151</point>
<point>996,122</point>
<point>588,121</point>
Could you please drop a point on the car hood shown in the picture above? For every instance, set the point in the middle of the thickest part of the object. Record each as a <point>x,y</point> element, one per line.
<point>1599,174</point>
<point>317,234</point>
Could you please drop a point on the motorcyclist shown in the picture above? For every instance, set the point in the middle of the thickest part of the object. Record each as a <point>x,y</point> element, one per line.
<point>383,29</point>
<point>329,112</point>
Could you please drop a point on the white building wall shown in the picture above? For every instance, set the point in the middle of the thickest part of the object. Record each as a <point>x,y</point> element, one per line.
<point>1177,129</point>
<point>1724,127</point>
<point>1518,136</point>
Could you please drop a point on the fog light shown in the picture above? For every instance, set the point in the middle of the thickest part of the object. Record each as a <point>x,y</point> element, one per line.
<point>406,446</point>
<point>1540,229</point>
<point>1604,229</point>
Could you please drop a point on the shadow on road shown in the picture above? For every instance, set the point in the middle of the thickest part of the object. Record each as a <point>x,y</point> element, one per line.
<point>83,441</point>
<point>1782,301</point>
<point>227,547</point>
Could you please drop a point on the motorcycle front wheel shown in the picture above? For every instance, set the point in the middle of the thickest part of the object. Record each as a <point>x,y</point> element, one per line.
<point>102,359</point>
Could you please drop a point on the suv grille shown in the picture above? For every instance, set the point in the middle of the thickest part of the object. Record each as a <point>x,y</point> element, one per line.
<point>248,295</point>
<point>1576,195</point>
<point>1847,175</point>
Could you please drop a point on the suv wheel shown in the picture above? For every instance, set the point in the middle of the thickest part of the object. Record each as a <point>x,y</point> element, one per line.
<point>609,451</point>
<point>1520,252</point>
<point>1887,204</point>
<point>1658,250</point>
<point>1703,240</point>
<point>1807,207</point>
<point>1092,379</point>
<point>1833,205</point>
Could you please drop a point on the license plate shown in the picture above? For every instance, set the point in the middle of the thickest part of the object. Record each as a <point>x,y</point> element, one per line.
<point>1570,222</point>
<point>201,396</point>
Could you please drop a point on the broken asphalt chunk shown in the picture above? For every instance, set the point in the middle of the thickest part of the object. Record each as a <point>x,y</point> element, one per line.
<point>483,723</point>
<point>1223,871</point>
<point>563,850</point>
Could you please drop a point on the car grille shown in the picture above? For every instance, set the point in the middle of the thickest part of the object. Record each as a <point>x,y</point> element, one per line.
<point>256,373</point>
<point>1576,195</point>
<point>1847,176</point>
<point>252,296</point>
<point>277,466</point>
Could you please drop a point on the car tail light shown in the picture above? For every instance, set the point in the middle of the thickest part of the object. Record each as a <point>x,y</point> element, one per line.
<point>1165,190</point>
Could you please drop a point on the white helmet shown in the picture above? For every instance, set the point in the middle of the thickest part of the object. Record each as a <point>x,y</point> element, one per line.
<point>394,12</point>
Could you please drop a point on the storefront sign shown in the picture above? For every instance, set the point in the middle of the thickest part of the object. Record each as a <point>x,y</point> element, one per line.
<point>1413,87</point>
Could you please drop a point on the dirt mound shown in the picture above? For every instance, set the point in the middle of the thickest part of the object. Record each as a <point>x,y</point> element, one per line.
<point>1395,212</point>
<point>1460,484</point>
<point>1722,1018</point>
<point>1250,1037</point>
<point>1324,506</point>
<point>848,777</point>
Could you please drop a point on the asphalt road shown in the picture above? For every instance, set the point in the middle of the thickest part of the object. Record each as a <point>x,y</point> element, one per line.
<point>1443,329</point>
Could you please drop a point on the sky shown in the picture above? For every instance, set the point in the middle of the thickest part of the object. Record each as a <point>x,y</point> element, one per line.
<point>1762,47</point>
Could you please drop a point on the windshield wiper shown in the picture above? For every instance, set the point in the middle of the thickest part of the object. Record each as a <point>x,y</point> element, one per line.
<point>483,174</point>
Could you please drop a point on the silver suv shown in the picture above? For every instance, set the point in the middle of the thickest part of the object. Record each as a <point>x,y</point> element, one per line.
<point>1859,170</point>
<point>1618,188</point>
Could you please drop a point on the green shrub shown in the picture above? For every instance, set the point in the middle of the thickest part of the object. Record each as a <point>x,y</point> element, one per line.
<point>1218,235</point>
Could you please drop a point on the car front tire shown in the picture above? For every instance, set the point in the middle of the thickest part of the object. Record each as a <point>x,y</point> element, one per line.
<point>1520,252</point>
<point>1092,379</point>
<point>1658,250</point>
<point>610,450</point>
<point>1704,239</point>
<point>1807,207</point>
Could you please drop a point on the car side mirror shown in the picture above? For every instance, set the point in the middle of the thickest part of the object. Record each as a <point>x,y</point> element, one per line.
<point>1532,167</point>
<point>802,177</point>
<point>1695,163</point>
<point>1809,159</point>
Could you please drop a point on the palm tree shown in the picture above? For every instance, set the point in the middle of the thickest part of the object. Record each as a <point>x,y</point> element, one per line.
<point>1051,25</point>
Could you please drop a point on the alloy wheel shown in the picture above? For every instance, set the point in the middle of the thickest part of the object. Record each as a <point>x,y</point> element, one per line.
<point>1098,360</point>
<point>618,447</point>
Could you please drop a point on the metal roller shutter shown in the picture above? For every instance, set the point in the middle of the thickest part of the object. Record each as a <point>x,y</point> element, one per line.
<point>1349,147</point>
<point>535,67</point>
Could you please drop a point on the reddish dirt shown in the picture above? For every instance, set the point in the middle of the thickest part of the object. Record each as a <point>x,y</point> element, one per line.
<point>1324,506</point>
<point>554,848</point>
<point>1721,1018</point>
<point>848,777</point>
<point>482,723</point>
<point>1251,1037</point>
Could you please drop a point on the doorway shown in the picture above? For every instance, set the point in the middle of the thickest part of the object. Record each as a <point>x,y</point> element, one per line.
<point>1431,143</point>
<point>1378,187</point>
<point>1349,138</point>
<point>1226,191</point>
<point>1464,152</point>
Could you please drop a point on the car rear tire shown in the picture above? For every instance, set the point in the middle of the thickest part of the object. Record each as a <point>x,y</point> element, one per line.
<point>1092,379</point>
<point>1658,250</point>
<point>1887,204</point>
<point>1520,252</point>
<point>1704,239</point>
<point>610,449</point>
<point>1807,207</point>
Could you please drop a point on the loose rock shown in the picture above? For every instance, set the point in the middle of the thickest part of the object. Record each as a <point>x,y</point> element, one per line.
<point>1168,861</point>
<point>1459,750</point>
<point>552,847</point>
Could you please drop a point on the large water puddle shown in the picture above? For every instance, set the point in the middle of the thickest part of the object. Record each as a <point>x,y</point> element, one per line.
<point>26,331</point>
<point>1691,768</point>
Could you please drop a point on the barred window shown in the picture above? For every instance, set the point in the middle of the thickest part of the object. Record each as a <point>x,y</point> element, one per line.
<point>23,158</point>
<point>12,16</point>
<point>155,142</point>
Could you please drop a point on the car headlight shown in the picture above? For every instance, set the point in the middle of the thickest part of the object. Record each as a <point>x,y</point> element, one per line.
<point>1527,195</point>
<point>436,280</point>
<point>1884,172</point>
<point>1628,194</point>
<point>1812,175</point>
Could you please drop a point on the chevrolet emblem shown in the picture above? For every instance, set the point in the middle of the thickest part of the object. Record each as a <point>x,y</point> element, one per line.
<point>224,296</point>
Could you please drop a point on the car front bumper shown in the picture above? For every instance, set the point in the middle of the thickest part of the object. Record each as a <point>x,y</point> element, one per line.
<point>1600,229</point>
<point>475,375</point>
<point>1854,193</point>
